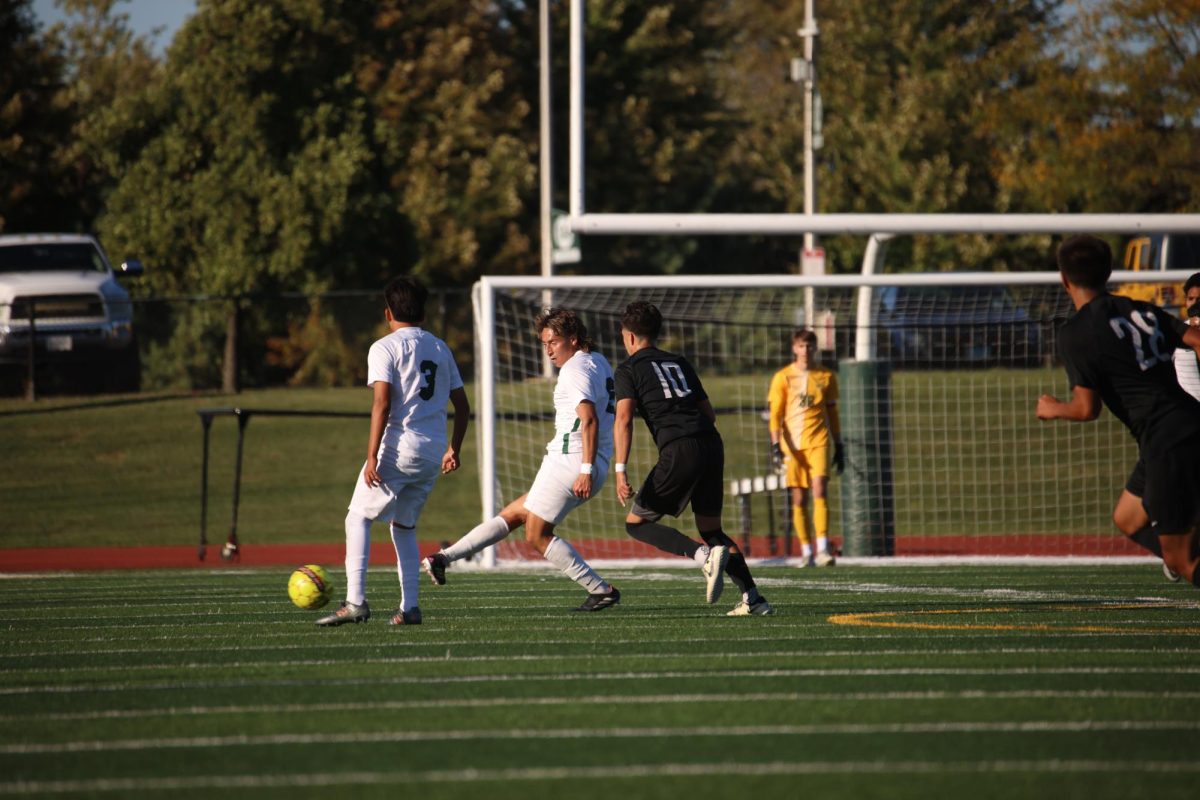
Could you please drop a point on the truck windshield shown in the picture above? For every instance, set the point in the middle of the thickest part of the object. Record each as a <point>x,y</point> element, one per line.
<point>57,257</point>
<point>1183,252</point>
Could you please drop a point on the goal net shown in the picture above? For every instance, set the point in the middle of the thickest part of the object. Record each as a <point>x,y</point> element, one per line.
<point>939,377</point>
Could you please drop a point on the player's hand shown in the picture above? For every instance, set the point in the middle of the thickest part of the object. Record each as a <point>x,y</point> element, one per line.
<point>583,486</point>
<point>1046,407</point>
<point>624,490</point>
<point>839,458</point>
<point>777,455</point>
<point>371,473</point>
<point>450,461</point>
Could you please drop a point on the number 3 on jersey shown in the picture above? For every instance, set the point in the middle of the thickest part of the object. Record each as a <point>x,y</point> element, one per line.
<point>1135,327</point>
<point>671,378</point>
<point>429,372</point>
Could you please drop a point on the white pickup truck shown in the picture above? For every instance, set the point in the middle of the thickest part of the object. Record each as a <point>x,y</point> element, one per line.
<point>82,319</point>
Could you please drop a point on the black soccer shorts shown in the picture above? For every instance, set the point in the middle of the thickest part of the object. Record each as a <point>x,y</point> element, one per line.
<point>689,470</point>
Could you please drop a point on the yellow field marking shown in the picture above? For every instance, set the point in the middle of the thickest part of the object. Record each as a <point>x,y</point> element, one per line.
<point>885,619</point>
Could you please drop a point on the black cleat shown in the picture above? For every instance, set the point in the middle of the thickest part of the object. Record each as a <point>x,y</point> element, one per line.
<point>436,565</point>
<point>410,617</point>
<point>599,602</point>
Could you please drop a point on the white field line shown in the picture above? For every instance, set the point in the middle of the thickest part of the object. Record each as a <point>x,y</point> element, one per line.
<point>449,658</point>
<point>605,700</point>
<point>325,738</point>
<point>721,647</point>
<point>574,774</point>
<point>326,682</point>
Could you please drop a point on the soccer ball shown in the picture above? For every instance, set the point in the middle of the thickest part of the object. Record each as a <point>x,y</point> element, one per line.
<point>310,587</point>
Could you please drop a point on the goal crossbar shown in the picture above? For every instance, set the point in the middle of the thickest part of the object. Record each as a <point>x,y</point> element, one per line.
<point>699,224</point>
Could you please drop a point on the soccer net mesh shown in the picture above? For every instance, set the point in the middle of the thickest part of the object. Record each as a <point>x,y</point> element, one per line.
<point>944,453</point>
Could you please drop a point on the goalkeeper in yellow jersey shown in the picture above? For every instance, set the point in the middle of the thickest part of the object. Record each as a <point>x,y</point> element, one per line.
<point>806,439</point>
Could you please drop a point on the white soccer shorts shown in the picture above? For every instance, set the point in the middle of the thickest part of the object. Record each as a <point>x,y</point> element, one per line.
<point>552,495</point>
<point>399,498</point>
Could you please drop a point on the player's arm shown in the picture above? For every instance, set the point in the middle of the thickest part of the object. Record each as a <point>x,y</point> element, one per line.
<point>1191,337</point>
<point>381,407</point>
<point>622,443</point>
<point>1084,406</point>
<point>707,410</point>
<point>462,417</point>
<point>588,428</point>
<point>776,405</point>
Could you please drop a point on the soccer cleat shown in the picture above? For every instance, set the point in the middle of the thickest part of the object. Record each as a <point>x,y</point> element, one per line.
<point>410,617</point>
<point>805,563</point>
<point>600,601</point>
<point>824,559</point>
<point>436,565</point>
<point>1170,574</point>
<point>714,572</point>
<point>347,613</point>
<point>759,608</point>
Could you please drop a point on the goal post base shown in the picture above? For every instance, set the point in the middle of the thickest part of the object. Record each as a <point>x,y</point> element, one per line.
<point>868,512</point>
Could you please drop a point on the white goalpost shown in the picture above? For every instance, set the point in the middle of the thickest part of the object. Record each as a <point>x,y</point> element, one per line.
<point>944,455</point>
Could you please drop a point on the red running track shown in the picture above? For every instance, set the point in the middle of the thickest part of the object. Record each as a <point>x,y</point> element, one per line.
<point>52,559</point>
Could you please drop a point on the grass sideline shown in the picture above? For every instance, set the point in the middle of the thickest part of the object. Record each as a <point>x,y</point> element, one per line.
<point>869,682</point>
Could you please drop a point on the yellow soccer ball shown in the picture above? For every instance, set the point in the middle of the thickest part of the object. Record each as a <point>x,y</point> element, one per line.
<point>310,587</point>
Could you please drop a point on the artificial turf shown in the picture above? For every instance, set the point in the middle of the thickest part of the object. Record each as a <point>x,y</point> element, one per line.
<point>896,682</point>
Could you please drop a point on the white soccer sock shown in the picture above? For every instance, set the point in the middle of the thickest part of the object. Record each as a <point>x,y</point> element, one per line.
<point>806,551</point>
<point>481,536</point>
<point>822,544</point>
<point>701,555</point>
<point>560,553</point>
<point>358,552</point>
<point>408,565</point>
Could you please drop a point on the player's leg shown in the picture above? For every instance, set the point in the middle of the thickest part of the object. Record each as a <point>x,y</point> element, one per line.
<point>707,498</point>
<point>366,504</point>
<point>410,500</point>
<point>550,499</point>
<point>1172,500</point>
<point>479,538</point>
<point>820,488</point>
<point>797,478</point>
<point>666,490</point>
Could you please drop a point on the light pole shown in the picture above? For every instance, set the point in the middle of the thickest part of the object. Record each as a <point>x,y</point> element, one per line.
<point>805,71</point>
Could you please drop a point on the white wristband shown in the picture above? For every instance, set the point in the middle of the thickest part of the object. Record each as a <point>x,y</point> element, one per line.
<point>585,469</point>
<point>618,467</point>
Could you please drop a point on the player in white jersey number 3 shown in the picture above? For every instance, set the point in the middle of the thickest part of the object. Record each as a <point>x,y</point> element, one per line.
<point>413,376</point>
<point>573,469</point>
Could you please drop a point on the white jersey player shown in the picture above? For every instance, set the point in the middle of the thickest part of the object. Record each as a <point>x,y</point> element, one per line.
<point>573,469</point>
<point>414,377</point>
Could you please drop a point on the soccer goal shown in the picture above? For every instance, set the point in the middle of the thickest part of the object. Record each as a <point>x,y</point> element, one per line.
<point>939,379</point>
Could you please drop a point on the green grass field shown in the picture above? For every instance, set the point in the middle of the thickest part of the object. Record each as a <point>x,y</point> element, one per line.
<point>969,458</point>
<point>869,682</point>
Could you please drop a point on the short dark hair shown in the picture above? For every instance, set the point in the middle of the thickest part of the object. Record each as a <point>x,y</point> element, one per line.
<point>1192,282</point>
<point>405,298</point>
<point>805,334</point>
<point>566,323</point>
<point>643,320</point>
<point>1085,261</point>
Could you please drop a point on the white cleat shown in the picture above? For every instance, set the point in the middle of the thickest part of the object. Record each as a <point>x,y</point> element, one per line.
<point>1170,574</point>
<point>759,608</point>
<point>714,572</point>
<point>824,559</point>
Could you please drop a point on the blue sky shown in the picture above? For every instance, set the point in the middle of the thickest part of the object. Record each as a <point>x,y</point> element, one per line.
<point>144,16</point>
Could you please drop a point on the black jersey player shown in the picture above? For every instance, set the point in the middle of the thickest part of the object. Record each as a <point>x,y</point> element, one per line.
<point>665,391</point>
<point>1119,351</point>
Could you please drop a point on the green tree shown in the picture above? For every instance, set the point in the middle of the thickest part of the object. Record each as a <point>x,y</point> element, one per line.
<point>1113,126</point>
<point>908,87</point>
<point>34,122</point>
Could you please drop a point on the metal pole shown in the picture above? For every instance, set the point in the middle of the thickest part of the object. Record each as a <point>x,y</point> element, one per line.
<point>487,402</point>
<point>230,550</point>
<point>206,423</point>
<point>31,386</point>
<point>545,161</point>
<point>809,34</point>
<point>576,110</point>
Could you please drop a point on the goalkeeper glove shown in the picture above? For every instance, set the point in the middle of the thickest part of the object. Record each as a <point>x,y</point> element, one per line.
<point>839,458</point>
<point>777,455</point>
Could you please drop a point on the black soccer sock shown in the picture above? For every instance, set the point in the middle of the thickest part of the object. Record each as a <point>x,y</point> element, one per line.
<point>736,566</point>
<point>1147,538</point>
<point>666,539</point>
